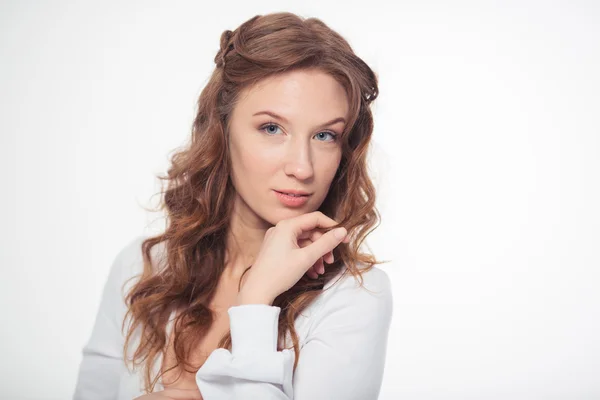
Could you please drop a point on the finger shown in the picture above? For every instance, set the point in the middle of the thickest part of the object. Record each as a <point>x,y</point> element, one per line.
<point>320,266</point>
<point>312,273</point>
<point>313,270</point>
<point>315,235</point>
<point>309,222</point>
<point>304,242</point>
<point>328,258</point>
<point>326,243</point>
<point>309,234</point>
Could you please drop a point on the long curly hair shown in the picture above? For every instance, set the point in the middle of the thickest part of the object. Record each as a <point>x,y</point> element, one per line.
<point>199,194</point>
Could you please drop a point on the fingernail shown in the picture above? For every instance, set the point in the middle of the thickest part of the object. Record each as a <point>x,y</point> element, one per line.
<point>339,233</point>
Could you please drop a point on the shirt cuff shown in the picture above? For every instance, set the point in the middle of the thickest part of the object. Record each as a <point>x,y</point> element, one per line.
<point>254,328</point>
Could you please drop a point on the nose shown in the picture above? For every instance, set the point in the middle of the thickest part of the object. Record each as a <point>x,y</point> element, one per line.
<point>298,160</point>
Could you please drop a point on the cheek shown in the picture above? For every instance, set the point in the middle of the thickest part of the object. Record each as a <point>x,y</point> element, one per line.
<point>326,169</point>
<point>253,160</point>
<point>260,161</point>
<point>331,164</point>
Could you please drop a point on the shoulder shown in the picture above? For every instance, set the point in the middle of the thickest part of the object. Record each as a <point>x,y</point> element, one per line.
<point>345,302</point>
<point>375,285</point>
<point>373,278</point>
<point>126,269</point>
<point>129,263</point>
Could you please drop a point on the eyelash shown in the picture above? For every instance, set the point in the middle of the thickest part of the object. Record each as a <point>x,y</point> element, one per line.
<point>265,126</point>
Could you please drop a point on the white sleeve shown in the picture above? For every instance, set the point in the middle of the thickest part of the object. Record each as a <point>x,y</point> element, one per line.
<point>343,356</point>
<point>103,362</point>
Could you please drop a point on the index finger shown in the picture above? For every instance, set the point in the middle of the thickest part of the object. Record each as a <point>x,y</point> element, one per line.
<point>311,221</point>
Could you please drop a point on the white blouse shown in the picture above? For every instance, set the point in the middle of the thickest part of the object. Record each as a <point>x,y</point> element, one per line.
<point>342,336</point>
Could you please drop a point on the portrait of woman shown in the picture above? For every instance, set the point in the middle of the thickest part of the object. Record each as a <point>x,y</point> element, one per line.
<point>314,201</point>
<point>259,287</point>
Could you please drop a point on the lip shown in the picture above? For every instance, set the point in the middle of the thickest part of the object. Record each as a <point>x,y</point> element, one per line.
<point>292,191</point>
<point>291,201</point>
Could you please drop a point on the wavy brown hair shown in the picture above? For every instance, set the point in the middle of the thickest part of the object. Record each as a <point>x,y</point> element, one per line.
<point>199,195</point>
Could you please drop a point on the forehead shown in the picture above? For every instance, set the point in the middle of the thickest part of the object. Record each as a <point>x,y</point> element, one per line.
<point>295,94</point>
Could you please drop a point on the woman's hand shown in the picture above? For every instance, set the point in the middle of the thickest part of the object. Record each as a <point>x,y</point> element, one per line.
<point>317,268</point>
<point>281,262</point>
<point>172,394</point>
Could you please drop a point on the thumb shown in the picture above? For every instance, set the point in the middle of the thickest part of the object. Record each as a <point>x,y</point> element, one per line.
<point>324,244</point>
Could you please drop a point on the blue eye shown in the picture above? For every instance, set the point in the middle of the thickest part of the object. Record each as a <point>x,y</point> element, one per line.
<point>333,136</point>
<point>268,131</point>
<point>269,125</point>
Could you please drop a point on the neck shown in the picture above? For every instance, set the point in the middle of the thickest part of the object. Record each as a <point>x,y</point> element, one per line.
<point>244,239</point>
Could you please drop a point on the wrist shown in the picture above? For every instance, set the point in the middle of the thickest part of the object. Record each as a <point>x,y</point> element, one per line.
<point>248,297</point>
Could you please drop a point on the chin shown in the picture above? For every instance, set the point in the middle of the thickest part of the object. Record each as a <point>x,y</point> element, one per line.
<point>281,213</point>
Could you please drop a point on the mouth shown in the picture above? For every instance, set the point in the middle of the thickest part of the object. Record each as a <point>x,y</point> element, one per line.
<point>293,194</point>
<point>292,199</point>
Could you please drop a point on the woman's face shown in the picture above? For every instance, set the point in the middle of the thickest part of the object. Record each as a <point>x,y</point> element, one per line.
<point>282,138</point>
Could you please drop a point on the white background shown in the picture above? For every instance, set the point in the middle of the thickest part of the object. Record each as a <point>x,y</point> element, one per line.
<point>486,156</point>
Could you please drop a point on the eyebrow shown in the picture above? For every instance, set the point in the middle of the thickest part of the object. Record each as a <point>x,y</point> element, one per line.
<point>279,117</point>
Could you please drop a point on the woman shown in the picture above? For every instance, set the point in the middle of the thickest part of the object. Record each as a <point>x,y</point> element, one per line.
<point>251,292</point>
